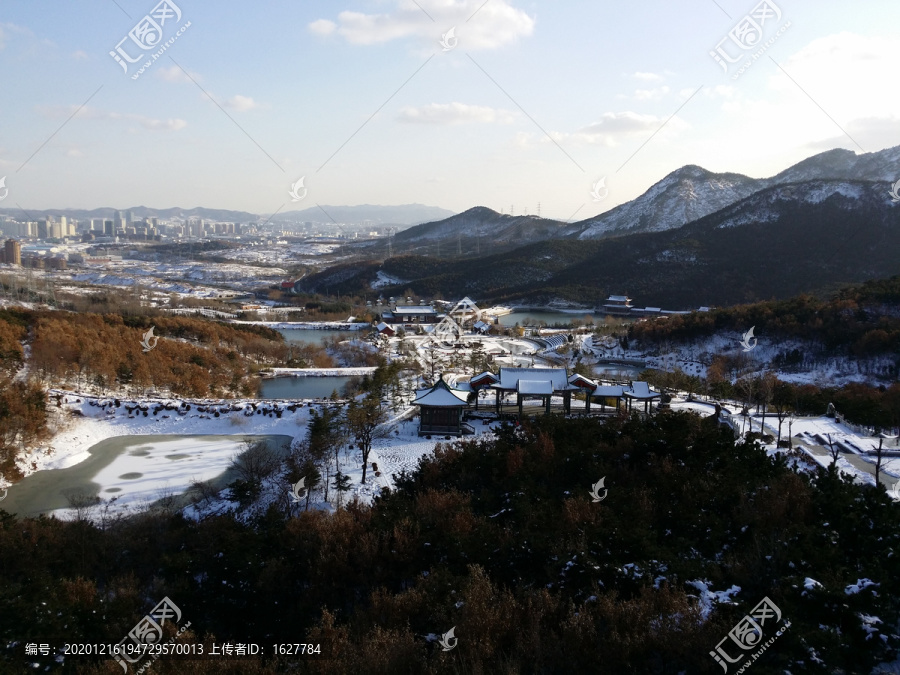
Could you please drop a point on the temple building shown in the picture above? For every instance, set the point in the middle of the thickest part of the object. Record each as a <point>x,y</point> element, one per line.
<point>441,409</point>
<point>411,314</point>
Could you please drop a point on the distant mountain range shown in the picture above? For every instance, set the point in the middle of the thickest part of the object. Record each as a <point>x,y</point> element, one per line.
<point>694,238</point>
<point>383,216</point>
<point>692,192</point>
<point>218,215</point>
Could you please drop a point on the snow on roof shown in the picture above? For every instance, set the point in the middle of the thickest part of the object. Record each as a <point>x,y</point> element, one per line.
<point>442,396</point>
<point>510,377</point>
<point>618,298</point>
<point>542,387</point>
<point>380,327</point>
<point>487,376</point>
<point>640,390</point>
<point>414,309</point>
<point>609,390</point>
<point>581,378</point>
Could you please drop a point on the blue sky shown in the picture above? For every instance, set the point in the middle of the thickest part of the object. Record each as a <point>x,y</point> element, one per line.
<point>531,102</point>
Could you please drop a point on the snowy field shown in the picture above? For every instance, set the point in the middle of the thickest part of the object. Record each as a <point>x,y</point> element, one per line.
<point>144,473</point>
<point>167,465</point>
<point>283,253</point>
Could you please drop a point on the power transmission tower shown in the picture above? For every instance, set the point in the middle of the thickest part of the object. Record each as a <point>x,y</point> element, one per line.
<point>539,210</point>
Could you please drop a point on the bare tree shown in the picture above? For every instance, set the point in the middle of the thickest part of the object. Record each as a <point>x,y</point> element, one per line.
<point>364,419</point>
<point>781,401</point>
<point>767,385</point>
<point>83,503</point>
<point>833,450</point>
<point>879,453</point>
<point>747,387</point>
<point>257,462</point>
<point>790,431</point>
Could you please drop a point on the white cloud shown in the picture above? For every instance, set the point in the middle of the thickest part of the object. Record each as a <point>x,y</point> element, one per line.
<point>174,74</point>
<point>651,94</point>
<point>80,55</point>
<point>846,74</point>
<point>8,28</point>
<point>840,84</point>
<point>479,25</point>
<point>241,103</point>
<point>612,128</point>
<point>322,27</point>
<point>455,113</point>
<point>171,124</point>
<point>88,113</point>
<point>647,77</point>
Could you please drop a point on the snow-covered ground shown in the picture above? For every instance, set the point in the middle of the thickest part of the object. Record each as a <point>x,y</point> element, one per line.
<point>320,372</point>
<point>308,325</point>
<point>283,253</point>
<point>693,359</point>
<point>169,466</point>
<point>384,279</point>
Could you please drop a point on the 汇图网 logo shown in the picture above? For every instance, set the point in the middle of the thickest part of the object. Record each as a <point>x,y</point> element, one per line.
<point>894,192</point>
<point>599,190</point>
<point>147,337</point>
<point>449,40</point>
<point>295,191</point>
<point>748,634</point>
<point>148,631</point>
<point>595,490</point>
<point>748,35</point>
<point>745,340</point>
<point>148,34</point>
<point>298,490</point>
<point>448,640</point>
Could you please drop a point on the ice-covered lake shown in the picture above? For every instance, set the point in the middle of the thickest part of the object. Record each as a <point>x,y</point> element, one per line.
<point>285,388</point>
<point>137,469</point>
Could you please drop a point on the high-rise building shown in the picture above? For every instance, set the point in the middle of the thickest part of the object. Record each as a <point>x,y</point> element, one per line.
<point>43,230</point>
<point>56,230</point>
<point>109,228</point>
<point>12,252</point>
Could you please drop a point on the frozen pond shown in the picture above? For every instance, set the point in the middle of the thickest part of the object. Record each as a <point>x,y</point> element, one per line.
<point>615,371</point>
<point>136,469</point>
<point>547,316</point>
<point>314,337</point>
<point>302,387</point>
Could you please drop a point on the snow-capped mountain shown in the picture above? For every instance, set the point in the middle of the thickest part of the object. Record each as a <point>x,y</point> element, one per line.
<point>686,194</point>
<point>692,192</point>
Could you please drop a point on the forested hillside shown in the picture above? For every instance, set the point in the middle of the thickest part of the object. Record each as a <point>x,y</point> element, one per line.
<point>858,321</point>
<point>501,540</point>
<point>814,237</point>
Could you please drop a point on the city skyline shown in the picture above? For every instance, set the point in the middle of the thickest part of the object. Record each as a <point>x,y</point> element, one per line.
<point>447,103</point>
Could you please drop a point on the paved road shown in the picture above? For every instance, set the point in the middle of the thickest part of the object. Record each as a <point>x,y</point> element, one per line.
<point>856,461</point>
